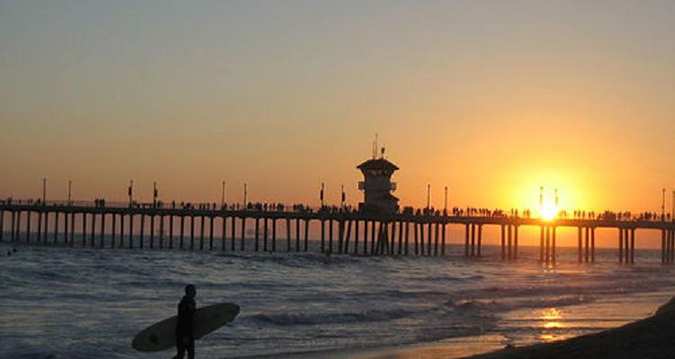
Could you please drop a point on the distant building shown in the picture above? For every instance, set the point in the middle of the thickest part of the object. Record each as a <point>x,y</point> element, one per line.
<point>377,186</point>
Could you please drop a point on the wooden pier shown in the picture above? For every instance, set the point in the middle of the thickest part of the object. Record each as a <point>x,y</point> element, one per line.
<point>341,231</point>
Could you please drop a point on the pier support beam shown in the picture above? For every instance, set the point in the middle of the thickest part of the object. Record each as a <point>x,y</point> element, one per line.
<point>400,237</point>
<point>288,234</point>
<point>297,235</point>
<point>274,234</point>
<point>592,244</point>
<point>547,246</point>
<point>72,228</point>
<point>233,230</point>
<point>306,235</point>
<point>480,240</point>
<point>509,242</point>
<point>152,231</point>
<point>211,219</point>
<point>92,237</point>
<point>121,229</point>
<point>56,227</point>
<point>632,246</point>
<point>131,231</point>
<point>242,245</point>
<point>415,237</point>
<point>13,227</point>
<point>182,232</point>
<point>443,230</point>
<point>553,244</point>
<point>256,245</point>
<point>663,246</point>
<point>502,241</point>
<point>348,236</point>
<point>112,231</point>
<point>373,236</point>
<point>66,227</point>
<point>201,232</point>
<point>161,232</point>
<point>171,219</point>
<point>473,240</point>
<point>39,230</point>
<point>192,233</point>
<point>102,233</point>
<point>330,236</point>
<point>223,231</point>
<point>587,240</point>
<point>84,229</point>
<point>356,236</point>
<point>265,236</point>
<point>28,220</point>
<point>141,239</point>
<point>17,229</point>
<point>436,238</point>
<point>621,245</point>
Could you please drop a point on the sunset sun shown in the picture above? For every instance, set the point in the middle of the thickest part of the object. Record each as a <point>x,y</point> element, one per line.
<point>548,211</point>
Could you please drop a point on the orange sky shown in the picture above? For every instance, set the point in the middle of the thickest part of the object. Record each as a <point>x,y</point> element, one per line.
<point>491,100</point>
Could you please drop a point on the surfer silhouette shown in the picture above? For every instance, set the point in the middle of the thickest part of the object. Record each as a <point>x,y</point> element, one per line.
<point>185,340</point>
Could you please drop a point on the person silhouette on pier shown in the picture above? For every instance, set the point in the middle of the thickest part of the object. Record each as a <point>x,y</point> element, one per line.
<point>185,340</point>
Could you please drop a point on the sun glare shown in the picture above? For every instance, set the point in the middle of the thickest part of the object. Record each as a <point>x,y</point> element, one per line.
<point>548,211</point>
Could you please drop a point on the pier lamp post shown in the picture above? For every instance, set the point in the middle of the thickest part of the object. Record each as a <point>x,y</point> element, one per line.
<point>130,192</point>
<point>445,201</point>
<point>70,191</point>
<point>343,196</point>
<point>222,195</point>
<point>672,211</point>
<point>155,194</point>
<point>321,194</point>
<point>245,194</point>
<point>428,196</point>
<point>44,190</point>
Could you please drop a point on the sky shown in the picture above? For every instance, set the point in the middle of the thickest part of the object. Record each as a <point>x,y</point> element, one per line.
<point>492,99</point>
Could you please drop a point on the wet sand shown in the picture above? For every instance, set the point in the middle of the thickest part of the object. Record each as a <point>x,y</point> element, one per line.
<point>649,338</point>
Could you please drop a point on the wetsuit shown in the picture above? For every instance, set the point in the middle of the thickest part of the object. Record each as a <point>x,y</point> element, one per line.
<point>185,340</point>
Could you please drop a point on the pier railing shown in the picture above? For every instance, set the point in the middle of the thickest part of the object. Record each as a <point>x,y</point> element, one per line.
<point>343,230</point>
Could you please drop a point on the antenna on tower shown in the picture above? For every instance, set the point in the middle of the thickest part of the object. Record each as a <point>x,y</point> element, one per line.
<point>375,147</point>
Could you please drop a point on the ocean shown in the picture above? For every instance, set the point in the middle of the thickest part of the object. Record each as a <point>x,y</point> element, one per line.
<point>58,302</point>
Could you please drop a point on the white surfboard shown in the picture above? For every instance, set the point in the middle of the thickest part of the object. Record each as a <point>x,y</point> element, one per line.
<point>162,335</point>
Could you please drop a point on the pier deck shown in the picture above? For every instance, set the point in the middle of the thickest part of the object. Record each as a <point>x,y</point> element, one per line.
<point>342,231</point>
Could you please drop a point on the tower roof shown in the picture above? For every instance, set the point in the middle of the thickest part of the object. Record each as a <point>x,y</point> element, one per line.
<point>377,164</point>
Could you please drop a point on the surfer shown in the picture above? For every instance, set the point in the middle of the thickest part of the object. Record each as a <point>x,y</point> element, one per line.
<point>185,340</point>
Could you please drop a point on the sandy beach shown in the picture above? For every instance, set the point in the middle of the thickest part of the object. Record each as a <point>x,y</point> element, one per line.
<point>649,338</point>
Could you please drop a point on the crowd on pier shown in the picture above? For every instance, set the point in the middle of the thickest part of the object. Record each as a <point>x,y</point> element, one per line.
<point>624,216</point>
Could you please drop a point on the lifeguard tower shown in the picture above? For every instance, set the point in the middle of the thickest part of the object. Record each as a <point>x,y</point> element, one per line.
<point>377,185</point>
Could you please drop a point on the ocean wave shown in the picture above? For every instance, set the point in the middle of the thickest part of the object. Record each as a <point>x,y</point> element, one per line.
<point>502,305</point>
<point>293,319</point>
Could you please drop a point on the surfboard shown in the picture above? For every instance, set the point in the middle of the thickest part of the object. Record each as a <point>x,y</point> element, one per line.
<point>162,335</point>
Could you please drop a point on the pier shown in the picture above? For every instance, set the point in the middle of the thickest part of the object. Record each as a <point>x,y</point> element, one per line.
<point>342,230</point>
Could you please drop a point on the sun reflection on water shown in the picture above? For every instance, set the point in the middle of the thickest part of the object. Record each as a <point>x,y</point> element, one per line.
<point>551,318</point>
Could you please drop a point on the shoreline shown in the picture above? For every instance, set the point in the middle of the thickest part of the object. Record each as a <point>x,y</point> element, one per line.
<point>649,338</point>
<point>652,337</point>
